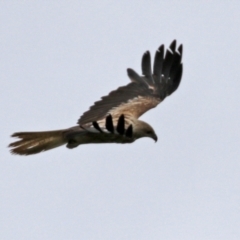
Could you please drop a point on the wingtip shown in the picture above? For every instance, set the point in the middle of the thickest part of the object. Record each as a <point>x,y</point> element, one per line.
<point>129,72</point>
<point>109,123</point>
<point>15,135</point>
<point>146,56</point>
<point>173,45</point>
<point>146,53</point>
<point>161,48</point>
<point>121,124</point>
<point>129,131</point>
<point>180,49</point>
<point>146,64</point>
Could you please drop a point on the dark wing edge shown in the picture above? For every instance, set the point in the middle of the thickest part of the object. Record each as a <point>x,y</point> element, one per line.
<point>152,87</point>
<point>109,104</point>
<point>167,70</point>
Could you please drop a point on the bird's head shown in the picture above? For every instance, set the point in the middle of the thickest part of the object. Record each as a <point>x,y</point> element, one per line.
<point>143,129</point>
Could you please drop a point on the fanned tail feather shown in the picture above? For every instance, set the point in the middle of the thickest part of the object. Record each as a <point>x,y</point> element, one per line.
<point>36,142</point>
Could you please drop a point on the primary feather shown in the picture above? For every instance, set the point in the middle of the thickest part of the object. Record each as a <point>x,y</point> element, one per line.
<point>144,92</point>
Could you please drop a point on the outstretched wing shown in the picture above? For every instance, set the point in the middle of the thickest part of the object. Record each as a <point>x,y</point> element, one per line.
<point>144,92</point>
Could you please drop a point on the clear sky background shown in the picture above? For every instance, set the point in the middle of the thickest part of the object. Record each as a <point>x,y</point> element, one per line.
<point>57,58</point>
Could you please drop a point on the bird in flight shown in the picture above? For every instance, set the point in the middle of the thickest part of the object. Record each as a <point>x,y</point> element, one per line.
<point>114,119</point>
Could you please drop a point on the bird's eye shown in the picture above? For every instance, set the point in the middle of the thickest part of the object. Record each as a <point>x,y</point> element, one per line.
<point>149,132</point>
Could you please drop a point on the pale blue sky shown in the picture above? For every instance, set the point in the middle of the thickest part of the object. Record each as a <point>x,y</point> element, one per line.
<point>57,58</point>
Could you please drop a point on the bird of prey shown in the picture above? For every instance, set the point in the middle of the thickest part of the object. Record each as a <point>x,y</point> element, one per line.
<point>114,119</point>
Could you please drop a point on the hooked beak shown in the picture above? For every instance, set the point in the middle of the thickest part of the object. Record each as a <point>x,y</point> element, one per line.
<point>155,138</point>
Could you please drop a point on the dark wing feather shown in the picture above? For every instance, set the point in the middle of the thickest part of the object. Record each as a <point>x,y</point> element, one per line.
<point>144,92</point>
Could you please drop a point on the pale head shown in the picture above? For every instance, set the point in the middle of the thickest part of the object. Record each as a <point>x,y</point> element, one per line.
<point>143,129</point>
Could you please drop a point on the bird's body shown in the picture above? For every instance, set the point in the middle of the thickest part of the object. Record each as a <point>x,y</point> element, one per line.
<point>114,119</point>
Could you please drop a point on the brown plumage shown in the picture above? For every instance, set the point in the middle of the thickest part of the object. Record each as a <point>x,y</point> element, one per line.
<point>35,142</point>
<point>114,119</point>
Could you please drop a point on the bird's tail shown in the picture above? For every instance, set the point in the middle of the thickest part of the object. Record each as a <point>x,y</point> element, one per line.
<point>36,142</point>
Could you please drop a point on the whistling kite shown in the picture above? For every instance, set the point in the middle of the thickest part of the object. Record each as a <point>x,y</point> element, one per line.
<point>114,119</point>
